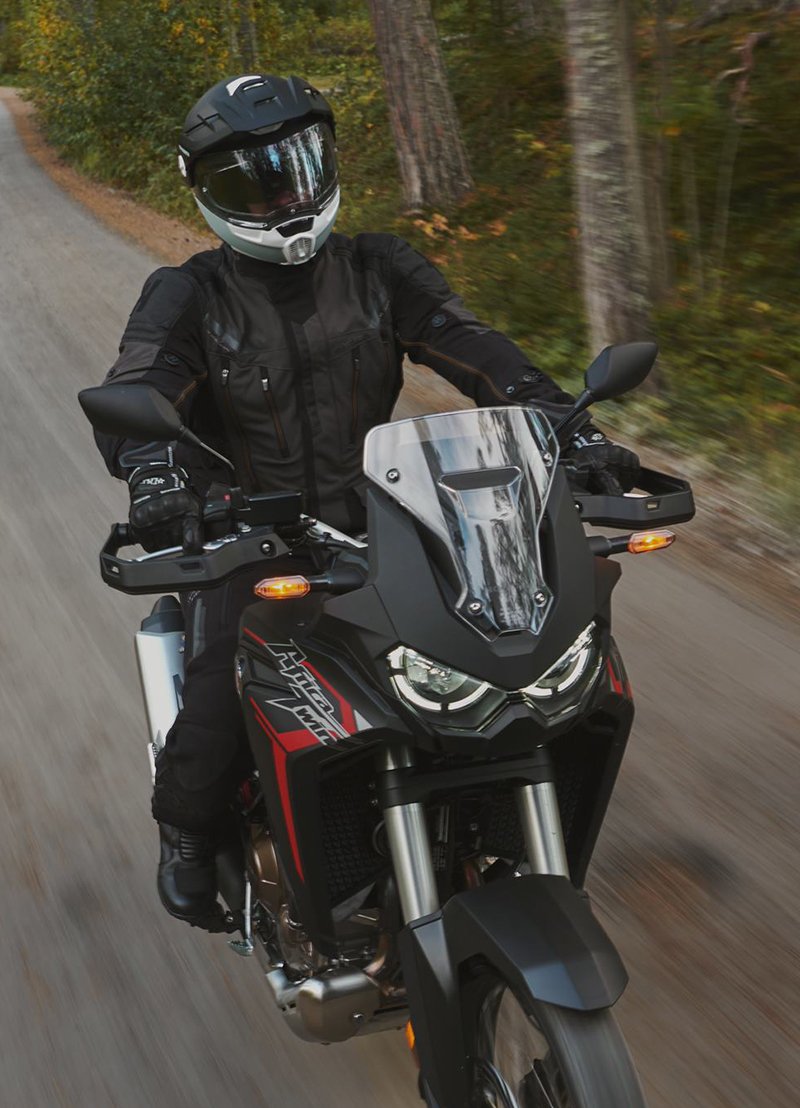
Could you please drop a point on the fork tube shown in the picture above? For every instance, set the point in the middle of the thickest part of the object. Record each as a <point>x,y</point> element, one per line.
<point>409,843</point>
<point>541,828</point>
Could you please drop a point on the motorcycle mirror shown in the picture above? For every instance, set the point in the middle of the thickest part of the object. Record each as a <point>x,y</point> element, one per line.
<point>136,412</point>
<point>618,369</point>
<point>141,413</point>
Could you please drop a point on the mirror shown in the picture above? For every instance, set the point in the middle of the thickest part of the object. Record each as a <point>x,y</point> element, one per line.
<point>618,369</point>
<point>136,412</point>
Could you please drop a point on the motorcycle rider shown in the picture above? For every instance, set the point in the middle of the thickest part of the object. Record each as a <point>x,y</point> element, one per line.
<point>281,348</point>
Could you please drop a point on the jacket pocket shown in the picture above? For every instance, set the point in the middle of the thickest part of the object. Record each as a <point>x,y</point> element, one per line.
<point>234,423</point>
<point>272,408</point>
<point>356,380</point>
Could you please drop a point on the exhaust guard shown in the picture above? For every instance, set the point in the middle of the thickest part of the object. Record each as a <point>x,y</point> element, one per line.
<point>537,932</point>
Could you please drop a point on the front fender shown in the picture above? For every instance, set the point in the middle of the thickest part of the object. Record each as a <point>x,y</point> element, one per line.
<point>537,932</point>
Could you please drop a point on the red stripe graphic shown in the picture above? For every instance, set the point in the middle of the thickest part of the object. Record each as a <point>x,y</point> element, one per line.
<point>616,684</point>
<point>283,743</point>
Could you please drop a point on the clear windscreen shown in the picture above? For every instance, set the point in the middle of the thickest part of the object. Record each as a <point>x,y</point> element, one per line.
<point>479,481</point>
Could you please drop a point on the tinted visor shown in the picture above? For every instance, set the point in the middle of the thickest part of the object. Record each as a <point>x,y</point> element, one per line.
<point>271,183</point>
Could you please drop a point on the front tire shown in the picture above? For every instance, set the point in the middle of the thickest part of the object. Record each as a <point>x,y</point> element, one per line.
<point>528,1054</point>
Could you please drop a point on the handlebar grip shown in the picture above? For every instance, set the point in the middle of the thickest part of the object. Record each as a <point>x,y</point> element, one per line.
<point>192,534</point>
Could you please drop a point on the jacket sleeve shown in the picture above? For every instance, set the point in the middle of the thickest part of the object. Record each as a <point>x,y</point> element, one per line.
<point>162,347</point>
<point>434,327</point>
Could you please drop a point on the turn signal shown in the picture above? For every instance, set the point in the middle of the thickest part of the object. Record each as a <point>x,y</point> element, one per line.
<point>411,1038</point>
<point>645,541</point>
<point>282,588</point>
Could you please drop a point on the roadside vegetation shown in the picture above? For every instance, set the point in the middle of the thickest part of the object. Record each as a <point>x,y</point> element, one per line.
<point>717,100</point>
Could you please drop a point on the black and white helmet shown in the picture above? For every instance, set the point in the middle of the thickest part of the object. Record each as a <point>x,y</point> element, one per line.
<point>259,153</point>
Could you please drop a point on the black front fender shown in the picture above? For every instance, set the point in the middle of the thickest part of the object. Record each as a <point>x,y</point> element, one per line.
<point>538,933</point>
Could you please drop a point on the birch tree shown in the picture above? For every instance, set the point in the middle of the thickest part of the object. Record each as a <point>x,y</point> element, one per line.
<point>611,210</point>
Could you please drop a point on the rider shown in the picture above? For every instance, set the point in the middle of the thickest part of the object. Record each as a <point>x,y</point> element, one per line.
<point>281,348</point>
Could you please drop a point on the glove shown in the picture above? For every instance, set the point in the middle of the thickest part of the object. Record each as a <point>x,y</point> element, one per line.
<point>602,466</point>
<point>161,503</point>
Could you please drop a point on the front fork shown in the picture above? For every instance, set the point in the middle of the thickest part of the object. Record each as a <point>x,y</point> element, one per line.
<point>409,842</point>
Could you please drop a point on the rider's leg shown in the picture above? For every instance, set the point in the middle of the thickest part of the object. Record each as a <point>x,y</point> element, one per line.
<point>204,758</point>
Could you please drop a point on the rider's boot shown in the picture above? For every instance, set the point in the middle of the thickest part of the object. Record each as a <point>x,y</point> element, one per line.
<point>187,879</point>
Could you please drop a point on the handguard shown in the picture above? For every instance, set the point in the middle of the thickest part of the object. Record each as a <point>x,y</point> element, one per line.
<point>668,500</point>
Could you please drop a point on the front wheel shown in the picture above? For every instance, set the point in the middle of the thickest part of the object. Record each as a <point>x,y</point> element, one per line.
<point>536,1055</point>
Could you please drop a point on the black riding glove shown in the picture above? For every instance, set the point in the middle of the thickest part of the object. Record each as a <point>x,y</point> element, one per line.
<point>602,466</point>
<point>161,501</point>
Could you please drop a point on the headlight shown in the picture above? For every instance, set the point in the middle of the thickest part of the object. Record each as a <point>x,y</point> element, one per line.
<point>431,685</point>
<point>568,670</point>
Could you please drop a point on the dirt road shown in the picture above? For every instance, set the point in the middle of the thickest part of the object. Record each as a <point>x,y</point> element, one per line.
<point>105,1001</point>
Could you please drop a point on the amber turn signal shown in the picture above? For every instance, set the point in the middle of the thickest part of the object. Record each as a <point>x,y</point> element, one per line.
<point>282,588</point>
<point>645,541</point>
<point>411,1038</point>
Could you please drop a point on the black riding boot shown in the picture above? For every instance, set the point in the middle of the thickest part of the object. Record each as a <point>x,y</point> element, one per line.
<point>187,880</point>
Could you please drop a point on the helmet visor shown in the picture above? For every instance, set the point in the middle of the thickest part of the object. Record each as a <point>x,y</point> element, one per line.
<point>266,185</point>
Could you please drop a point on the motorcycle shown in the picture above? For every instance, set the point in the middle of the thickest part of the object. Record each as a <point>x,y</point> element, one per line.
<point>437,713</point>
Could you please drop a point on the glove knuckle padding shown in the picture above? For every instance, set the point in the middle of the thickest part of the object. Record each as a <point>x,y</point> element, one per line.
<point>161,500</point>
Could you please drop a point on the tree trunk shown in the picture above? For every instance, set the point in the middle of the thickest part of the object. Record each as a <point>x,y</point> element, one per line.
<point>660,161</point>
<point>433,163</point>
<point>606,161</point>
<point>248,37</point>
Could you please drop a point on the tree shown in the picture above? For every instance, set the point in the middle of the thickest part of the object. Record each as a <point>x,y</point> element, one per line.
<point>610,199</point>
<point>430,151</point>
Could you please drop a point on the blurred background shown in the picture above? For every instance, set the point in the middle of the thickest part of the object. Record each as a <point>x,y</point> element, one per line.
<point>584,172</point>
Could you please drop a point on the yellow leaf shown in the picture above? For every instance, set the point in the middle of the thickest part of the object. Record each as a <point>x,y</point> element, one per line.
<point>498,228</point>
<point>672,130</point>
<point>426,228</point>
<point>464,233</point>
<point>761,306</point>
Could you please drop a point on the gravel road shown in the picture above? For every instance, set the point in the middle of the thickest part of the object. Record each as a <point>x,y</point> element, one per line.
<point>106,1001</point>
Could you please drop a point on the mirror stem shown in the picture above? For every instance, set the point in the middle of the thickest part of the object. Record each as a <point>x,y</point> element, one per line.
<point>185,435</point>
<point>581,404</point>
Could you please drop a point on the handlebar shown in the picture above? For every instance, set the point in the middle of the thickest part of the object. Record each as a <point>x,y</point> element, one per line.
<point>258,519</point>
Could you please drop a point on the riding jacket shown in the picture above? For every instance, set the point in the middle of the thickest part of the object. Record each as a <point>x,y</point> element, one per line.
<point>285,369</point>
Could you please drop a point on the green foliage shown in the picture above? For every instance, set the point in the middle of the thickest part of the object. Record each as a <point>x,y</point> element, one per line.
<point>12,29</point>
<point>112,81</point>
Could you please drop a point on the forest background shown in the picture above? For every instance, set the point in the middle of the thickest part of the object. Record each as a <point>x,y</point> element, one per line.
<point>606,169</point>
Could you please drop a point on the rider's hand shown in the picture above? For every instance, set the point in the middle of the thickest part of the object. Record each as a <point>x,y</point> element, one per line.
<point>161,501</point>
<point>602,466</point>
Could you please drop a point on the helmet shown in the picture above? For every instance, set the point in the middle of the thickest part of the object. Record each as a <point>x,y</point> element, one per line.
<point>259,154</point>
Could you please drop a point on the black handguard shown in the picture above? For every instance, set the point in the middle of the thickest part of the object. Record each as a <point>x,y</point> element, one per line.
<point>601,466</point>
<point>164,511</point>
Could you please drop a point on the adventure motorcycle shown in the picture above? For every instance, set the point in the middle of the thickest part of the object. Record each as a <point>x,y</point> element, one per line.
<point>437,716</point>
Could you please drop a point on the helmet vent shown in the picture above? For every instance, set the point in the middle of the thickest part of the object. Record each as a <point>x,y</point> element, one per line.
<point>296,227</point>
<point>251,79</point>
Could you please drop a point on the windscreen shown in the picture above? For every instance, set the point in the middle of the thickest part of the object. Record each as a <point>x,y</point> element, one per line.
<point>478,480</point>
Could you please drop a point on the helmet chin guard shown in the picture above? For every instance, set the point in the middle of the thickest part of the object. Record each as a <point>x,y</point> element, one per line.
<point>269,244</point>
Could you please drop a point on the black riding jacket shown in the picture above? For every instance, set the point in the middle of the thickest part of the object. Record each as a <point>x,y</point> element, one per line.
<point>285,369</point>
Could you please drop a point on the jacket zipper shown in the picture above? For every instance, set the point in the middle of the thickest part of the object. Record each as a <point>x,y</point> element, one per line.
<point>226,372</point>
<point>354,396</point>
<point>276,418</point>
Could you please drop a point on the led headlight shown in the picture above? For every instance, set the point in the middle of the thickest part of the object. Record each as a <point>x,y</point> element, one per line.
<point>568,670</point>
<point>431,685</point>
